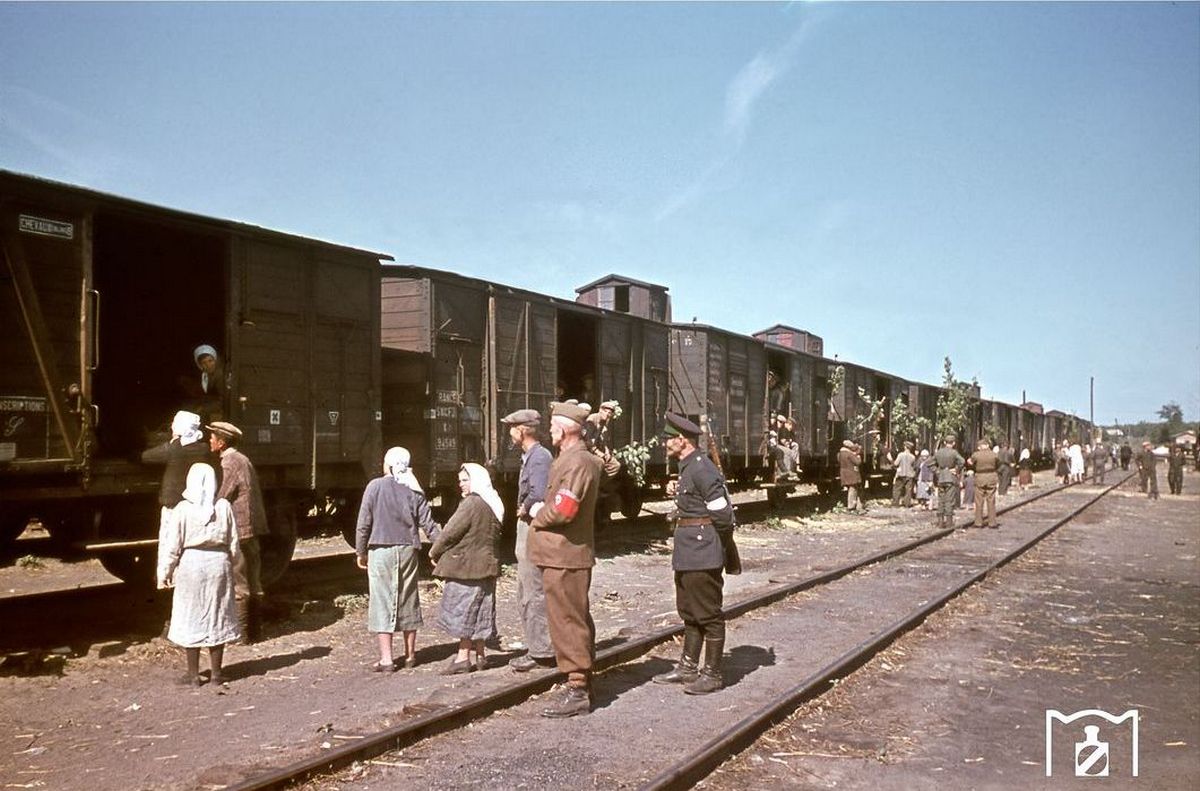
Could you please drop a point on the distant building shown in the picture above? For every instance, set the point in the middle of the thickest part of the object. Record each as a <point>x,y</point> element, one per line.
<point>1034,407</point>
<point>625,295</point>
<point>1187,439</point>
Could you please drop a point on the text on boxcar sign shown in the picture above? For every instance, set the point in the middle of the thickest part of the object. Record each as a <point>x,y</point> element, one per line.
<point>41,226</point>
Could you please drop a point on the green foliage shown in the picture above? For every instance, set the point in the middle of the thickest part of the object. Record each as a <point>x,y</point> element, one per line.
<point>869,421</point>
<point>30,562</point>
<point>836,378</point>
<point>633,458</point>
<point>905,424</point>
<point>1173,414</point>
<point>954,403</point>
<point>1164,434</point>
<point>991,432</point>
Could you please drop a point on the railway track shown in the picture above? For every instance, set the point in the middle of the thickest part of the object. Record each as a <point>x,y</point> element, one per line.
<point>740,715</point>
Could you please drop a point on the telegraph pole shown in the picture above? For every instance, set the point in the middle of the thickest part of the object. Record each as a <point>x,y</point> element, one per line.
<point>1092,402</point>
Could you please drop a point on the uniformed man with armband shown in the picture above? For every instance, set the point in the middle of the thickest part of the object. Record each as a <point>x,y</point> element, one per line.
<point>562,544</point>
<point>703,509</point>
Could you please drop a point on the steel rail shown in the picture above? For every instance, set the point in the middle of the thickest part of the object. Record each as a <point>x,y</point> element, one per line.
<point>433,723</point>
<point>701,762</point>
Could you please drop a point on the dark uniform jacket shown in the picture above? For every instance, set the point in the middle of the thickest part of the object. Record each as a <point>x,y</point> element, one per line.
<point>563,530</point>
<point>531,485</point>
<point>179,459</point>
<point>468,546</point>
<point>986,463</point>
<point>848,461</point>
<point>948,462</point>
<point>1005,457</point>
<point>698,547</point>
<point>1146,460</point>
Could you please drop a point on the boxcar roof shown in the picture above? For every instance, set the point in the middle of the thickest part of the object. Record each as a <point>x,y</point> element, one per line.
<point>622,279</point>
<point>85,194</point>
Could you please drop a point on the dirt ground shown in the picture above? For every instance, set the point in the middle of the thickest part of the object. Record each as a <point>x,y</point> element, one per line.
<point>1103,615</point>
<point>118,722</point>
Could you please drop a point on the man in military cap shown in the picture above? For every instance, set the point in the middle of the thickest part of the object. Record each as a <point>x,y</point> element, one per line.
<point>562,544</point>
<point>523,429</point>
<point>849,459</point>
<point>239,486</point>
<point>986,464</point>
<point>703,508</point>
<point>948,463</point>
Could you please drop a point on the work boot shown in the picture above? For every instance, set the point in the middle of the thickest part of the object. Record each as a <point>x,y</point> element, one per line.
<point>577,700</point>
<point>710,679</point>
<point>524,663</point>
<point>243,619</point>
<point>688,668</point>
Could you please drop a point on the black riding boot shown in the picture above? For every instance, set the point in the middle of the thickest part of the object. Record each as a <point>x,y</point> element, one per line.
<point>710,679</point>
<point>688,668</point>
<point>215,655</point>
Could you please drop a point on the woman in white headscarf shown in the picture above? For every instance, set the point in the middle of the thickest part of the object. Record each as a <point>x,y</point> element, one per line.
<point>466,556</point>
<point>1075,454</point>
<point>388,543</point>
<point>185,448</point>
<point>196,550</point>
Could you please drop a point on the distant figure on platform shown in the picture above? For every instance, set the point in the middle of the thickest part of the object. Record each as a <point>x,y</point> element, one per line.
<point>523,430</point>
<point>1100,456</point>
<point>849,459</point>
<point>1148,474</point>
<point>925,479</point>
<point>197,548</point>
<point>986,463</point>
<point>906,471</point>
<point>465,556</point>
<point>1175,470</point>
<point>1004,473</point>
<point>1075,454</point>
<point>1126,455</point>
<point>387,545</point>
<point>239,486</point>
<point>1062,462</point>
<point>1024,470</point>
<point>949,463</point>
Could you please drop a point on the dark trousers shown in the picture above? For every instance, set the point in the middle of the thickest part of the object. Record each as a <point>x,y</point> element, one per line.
<point>902,487</point>
<point>1098,472</point>
<point>1005,473</point>
<point>1124,464</point>
<point>1175,481</point>
<point>569,617</point>
<point>947,501</point>
<point>699,596</point>
<point>1149,482</point>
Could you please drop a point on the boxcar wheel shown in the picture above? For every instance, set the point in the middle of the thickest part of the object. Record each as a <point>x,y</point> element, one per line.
<point>132,566</point>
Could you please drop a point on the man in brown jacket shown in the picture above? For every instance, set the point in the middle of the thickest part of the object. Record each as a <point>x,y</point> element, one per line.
<point>986,464</point>
<point>239,485</point>
<point>562,545</point>
<point>849,458</point>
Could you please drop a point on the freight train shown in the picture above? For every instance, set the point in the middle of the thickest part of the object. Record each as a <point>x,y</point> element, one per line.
<point>331,353</point>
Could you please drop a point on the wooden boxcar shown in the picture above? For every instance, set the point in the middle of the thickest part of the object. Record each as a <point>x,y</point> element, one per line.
<point>460,353</point>
<point>102,301</point>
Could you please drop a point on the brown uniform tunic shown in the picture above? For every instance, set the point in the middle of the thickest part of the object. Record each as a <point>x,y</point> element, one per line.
<point>986,464</point>
<point>562,545</point>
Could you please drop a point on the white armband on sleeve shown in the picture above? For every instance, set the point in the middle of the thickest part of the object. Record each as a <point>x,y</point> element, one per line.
<point>719,504</point>
<point>536,507</point>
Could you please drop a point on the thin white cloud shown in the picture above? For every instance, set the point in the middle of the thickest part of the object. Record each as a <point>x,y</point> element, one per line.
<point>742,94</point>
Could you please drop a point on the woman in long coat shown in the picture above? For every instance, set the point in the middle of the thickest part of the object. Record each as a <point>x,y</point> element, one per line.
<point>387,544</point>
<point>197,546</point>
<point>465,555</point>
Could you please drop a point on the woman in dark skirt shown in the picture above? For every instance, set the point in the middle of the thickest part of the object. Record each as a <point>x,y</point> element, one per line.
<point>465,556</point>
<point>1024,470</point>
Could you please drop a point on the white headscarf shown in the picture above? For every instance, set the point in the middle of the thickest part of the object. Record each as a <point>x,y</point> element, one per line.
<point>1024,454</point>
<point>199,352</point>
<point>186,426</point>
<point>481,484</point>
<point>396,463</point>
<point>201,490</point>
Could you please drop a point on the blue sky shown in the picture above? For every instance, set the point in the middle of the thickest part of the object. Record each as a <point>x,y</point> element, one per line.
<point>1014,185</point>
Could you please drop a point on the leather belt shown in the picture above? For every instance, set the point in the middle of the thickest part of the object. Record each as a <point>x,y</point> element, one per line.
<point>693,521</point>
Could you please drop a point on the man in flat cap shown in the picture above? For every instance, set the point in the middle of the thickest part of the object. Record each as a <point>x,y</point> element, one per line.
<point>596,432</point>
<point>239,485</point>
<point>562,544</point>
<point>849,460</point>
<point>524,426</point>
<point>697,558</point>
<point>948,463</point>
